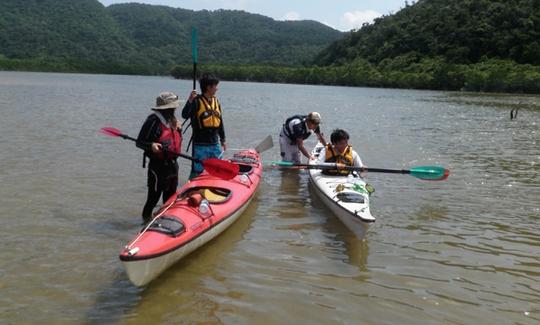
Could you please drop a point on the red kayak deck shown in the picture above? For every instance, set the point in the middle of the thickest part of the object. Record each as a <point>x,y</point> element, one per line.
<point>182,219</point>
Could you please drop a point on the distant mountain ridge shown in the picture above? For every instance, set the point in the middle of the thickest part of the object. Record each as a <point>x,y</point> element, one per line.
<point>148,35</point>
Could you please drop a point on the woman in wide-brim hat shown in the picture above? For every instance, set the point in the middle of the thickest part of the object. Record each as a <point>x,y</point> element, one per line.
<point>161,139</point>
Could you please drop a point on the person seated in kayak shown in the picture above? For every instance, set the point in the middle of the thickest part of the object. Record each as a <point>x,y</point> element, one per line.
<point>206,116</point>
<point>340,152</point>
<point>296,129</point>
<point>161,139</point>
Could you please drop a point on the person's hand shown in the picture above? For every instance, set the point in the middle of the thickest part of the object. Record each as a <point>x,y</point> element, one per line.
<point>363,171</point>
<point>156,147</point>
<point>321,138</point>
<point>192,95</point>
<point>340,166</point>
<point>312,157</point>
<point>224,146</point>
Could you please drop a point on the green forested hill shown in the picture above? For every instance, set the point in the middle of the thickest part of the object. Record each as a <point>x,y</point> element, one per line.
<point>84,33</point>
<point>460,31</point>
<point>64,29</point>
<point>225,36</point>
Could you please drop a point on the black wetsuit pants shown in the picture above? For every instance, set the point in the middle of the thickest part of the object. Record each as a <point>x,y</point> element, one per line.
<point>162,179</point>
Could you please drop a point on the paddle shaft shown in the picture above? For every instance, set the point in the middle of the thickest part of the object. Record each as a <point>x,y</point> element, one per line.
<point>194,75</point>
<point>353,168</point>
<point>127,137</point>
<point>429,173</point>
<point>194,54</point>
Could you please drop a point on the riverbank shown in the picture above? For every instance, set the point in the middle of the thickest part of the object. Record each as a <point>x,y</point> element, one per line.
<point>434,74</point>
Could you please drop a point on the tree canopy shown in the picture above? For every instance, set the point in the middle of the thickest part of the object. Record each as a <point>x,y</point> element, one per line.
<point>460,31</point>
<point>84,32</point>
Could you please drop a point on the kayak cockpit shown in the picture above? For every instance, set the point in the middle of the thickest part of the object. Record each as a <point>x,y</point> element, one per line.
<point>214,195</point>
<point>244,169</point>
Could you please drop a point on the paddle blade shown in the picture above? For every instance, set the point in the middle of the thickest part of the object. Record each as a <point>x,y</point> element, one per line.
<point>282,163</point>
<point>431,173</point>
<point>265,144</point>
<point>221,168</point>
<point>112,132</point>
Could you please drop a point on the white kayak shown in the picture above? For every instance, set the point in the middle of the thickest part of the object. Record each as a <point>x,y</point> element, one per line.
<point>346,196</point>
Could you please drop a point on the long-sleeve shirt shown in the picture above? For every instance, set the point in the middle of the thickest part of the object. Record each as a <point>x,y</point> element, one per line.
<point>202,135</point>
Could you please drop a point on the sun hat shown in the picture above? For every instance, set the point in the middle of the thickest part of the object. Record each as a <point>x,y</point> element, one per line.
<point>314,117</point>
<point>166,100</point>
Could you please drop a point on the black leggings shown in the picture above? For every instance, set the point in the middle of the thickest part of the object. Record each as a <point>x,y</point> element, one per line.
<point>162,179</point>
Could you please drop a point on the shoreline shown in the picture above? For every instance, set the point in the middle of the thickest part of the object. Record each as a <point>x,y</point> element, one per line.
<point>491,76</point>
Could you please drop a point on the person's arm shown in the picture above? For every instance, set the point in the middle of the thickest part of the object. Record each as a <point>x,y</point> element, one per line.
<point>147,134</point>
<point>320,135</point>
<point>221,133</point>
<point>190,107</point>
<point>300,144</point>
<point>357,161</point>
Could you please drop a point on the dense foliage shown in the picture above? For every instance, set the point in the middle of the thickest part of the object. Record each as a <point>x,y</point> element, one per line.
<point>478,45</point>
<point>482,45</point>
<point>492,75</point>
<point>460,31</point>
<point>73,34</point>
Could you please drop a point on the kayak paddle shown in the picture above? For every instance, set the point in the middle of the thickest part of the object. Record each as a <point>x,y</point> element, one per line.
<point>216,167</point>
<point>194,54</point>
<point>431,173</point>
<point>265,144</point>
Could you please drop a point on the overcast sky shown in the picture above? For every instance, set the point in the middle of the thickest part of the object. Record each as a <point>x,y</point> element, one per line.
<point>339,14</point>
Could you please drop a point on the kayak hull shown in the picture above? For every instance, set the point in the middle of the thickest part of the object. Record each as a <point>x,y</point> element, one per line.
<point>346,196</point>
<point>159,245</point>
<point>141,272</point>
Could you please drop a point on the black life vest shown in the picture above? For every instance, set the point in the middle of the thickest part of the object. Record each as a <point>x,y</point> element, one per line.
<point>304,132</point>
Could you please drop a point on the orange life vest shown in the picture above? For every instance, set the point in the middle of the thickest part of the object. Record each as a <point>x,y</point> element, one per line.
<point>208,113</point>
<point>345,158</point>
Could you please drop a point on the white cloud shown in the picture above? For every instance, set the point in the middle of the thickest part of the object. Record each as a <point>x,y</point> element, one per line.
<point>291,15</point>
<point>355,19</point>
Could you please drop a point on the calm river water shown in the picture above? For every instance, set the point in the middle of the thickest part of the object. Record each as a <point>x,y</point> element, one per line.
<point>463,251</point>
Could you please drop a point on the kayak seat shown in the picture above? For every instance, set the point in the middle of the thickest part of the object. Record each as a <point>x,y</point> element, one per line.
<point>167,225</point>
<point>214,195</point>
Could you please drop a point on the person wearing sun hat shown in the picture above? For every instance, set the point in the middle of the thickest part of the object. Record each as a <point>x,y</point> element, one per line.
<point>295,130</point>
<point>161,139</point>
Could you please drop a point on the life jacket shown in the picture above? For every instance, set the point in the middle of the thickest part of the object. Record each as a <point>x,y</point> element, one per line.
<point>208,113</point>
<point>305,133</point>
<point>345,158</point>
<point>170,139</point>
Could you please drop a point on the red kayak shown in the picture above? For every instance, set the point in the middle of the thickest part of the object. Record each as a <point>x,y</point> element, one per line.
<point>198,212</point>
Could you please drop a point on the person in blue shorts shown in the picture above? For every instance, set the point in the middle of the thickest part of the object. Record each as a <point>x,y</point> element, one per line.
<point>206,117</point>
